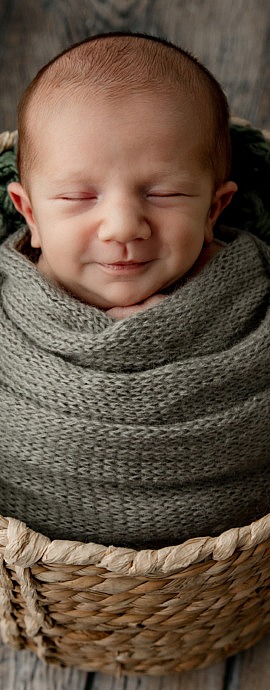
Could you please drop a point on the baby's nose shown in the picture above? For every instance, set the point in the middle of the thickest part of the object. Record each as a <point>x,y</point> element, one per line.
<point>124,223</point>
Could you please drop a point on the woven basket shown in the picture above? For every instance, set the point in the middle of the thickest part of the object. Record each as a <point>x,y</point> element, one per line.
<point>123,611</point>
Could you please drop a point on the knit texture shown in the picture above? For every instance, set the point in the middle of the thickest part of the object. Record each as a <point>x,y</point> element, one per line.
<point>142,432</point>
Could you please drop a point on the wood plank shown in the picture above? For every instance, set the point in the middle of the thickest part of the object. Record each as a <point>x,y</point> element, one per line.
<point>220,34</point>
<point>24,671</point>
<point>203,679</point>
<point>253,669</point>
<point>50,27</point>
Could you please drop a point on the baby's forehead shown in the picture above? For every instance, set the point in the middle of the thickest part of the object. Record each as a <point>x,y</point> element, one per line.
<point>117,64</point>
<point>163,109</point>
<point>50,106</point>
<point>114,69</point>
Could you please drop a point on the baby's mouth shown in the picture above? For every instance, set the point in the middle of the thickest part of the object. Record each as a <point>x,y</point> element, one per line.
<point>125,265</point>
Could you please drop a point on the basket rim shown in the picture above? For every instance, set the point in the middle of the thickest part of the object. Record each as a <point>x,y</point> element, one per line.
<point>21,546</point>
<point>8,140</point>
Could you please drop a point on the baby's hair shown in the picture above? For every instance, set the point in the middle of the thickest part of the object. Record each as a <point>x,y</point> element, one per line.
<point>125,62</point>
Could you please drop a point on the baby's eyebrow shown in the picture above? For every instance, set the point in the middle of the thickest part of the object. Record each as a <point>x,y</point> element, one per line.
<point>70,182</point>
<point>70,178</point>
<point>176,174</point>
<point>163,175</point>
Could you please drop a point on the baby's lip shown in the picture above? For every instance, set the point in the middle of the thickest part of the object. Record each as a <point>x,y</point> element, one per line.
<point>124,264</point>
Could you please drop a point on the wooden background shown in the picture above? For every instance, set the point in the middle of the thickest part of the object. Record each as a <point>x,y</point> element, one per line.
<point>232,38</point>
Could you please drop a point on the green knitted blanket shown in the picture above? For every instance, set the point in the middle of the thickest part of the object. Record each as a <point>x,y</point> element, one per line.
<point>147,431</point>
<point>142,432</point>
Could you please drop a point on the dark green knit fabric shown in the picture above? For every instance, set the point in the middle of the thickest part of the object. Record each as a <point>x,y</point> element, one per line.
<point>250,207</point>
<point>141,432</point>
<point>10,220</point>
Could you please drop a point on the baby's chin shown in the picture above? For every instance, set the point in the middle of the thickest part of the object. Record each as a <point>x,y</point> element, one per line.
<point>124,300</point>
<point>129,296</point>
<point>124,312</point>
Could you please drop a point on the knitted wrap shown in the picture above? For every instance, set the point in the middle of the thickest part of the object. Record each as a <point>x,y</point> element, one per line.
<point>141,432</point>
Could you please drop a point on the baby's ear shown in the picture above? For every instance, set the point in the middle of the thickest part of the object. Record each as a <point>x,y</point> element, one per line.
<point>221,199</point>
<point>20,199</point>
<point>23,204</point>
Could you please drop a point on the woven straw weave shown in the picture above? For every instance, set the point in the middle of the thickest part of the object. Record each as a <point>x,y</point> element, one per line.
<point>125,611</point>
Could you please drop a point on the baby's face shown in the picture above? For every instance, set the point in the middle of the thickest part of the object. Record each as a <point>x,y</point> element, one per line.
<point>120,201</point>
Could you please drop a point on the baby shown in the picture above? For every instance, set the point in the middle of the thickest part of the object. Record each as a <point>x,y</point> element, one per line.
<point>124,162</point>
<point>134,333</point>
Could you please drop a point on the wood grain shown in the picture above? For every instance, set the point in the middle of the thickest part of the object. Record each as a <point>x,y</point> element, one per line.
<point>205,679</point>
<point>232,38</point>
<point>221,34</point>
<point>252,668</point>
<point>24,671</point>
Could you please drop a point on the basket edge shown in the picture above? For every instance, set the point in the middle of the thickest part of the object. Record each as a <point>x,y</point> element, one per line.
<point>21,546</point>
<point>8,140</point>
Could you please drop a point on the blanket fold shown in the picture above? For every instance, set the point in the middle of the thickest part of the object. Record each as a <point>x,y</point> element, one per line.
<point>142,432</point>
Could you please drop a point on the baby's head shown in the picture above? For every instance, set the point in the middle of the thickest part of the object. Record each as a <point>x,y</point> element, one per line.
<point>124,163</point>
